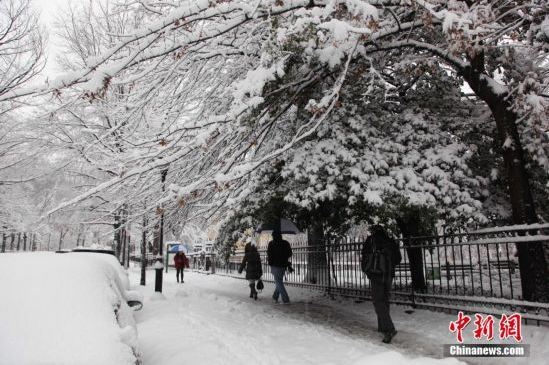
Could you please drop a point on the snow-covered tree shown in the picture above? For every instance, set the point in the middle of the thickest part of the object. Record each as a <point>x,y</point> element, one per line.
<point>224,66</point>
<point>21,46</point>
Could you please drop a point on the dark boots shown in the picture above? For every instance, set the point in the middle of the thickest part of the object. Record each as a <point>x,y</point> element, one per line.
<point>253,292</point>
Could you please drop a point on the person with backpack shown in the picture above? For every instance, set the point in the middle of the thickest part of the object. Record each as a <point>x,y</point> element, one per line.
<point>252,263</point>
<point>180,260</point>
<point>380,255</point>
<point>278,253</point>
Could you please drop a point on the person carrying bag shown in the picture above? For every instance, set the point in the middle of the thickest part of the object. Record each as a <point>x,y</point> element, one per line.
<point>252,263</point>
<point>380,255</point>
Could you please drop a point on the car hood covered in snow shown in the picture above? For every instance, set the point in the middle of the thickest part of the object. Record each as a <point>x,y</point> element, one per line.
<point>64,309</point>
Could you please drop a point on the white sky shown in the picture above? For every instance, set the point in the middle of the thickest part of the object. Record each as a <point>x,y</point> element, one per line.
<point>48,9</point>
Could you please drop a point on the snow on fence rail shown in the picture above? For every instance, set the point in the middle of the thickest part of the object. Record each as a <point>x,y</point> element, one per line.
<point>463,271</point>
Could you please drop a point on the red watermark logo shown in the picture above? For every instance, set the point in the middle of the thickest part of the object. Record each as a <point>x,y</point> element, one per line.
<point>509,326</point>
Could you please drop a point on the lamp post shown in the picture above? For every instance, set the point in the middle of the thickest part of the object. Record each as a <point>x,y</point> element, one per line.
<point>158,265</point>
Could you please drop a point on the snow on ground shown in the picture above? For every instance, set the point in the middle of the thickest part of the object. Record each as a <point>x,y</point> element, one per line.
<point>209,319</point>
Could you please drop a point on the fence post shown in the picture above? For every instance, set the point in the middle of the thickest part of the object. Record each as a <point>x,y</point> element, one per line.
<point>413,296</point>
<point>328,248</point>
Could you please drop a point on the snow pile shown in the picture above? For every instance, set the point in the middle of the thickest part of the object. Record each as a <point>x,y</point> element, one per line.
<point>60,309</point>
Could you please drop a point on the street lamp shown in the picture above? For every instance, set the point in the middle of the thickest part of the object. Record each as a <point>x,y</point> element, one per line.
<point>158,265</point>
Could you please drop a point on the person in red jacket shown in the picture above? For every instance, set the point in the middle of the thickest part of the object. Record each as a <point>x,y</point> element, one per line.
<point>180,259</point>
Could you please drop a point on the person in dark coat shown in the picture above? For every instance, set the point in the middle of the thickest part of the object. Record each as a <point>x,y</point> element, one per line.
<point>180,260</point>
<point>380,255</point>
<point>278,254</point>
<point>252,263</point>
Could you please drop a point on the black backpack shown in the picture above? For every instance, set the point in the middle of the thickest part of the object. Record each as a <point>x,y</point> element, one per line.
<point>376,259</point>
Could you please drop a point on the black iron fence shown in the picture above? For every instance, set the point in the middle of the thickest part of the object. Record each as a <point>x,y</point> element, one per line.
<point>477,271</point>
<point>201,262</point>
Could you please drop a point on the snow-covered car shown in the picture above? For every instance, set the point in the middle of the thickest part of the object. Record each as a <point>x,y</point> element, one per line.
<point>66,309</point>
<point>133,298</point>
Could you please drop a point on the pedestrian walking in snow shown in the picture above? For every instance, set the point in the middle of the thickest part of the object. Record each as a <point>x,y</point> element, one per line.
<point>252,263</point>
<point>278,253</point>
<point>380,255</point>
<point>180,261</point>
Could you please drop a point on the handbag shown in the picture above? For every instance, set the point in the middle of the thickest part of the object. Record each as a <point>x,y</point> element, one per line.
<point>260,285</point>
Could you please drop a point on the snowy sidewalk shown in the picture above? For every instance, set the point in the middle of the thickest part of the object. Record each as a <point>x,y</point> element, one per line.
<point>210,320</point>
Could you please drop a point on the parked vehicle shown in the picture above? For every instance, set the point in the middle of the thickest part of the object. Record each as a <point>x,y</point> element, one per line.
<point>133,298</point>
<point>71,308</point>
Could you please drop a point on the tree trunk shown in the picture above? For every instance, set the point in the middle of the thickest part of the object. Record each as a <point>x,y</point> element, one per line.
<point>60,239</point>
<point>117,243</point>
<point>127,244</point>
<point>123,245</point>
<point>533,257</point>
<point>317,263</point>
<point>18,241</point>
<point>25,241</point>
<point>33,247</point>
<point>409,227</point>
<point>12,242</point>
<point>144,251</point>
<point>129,250</point>
<point>4,242</point>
